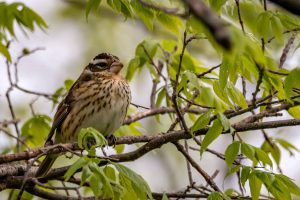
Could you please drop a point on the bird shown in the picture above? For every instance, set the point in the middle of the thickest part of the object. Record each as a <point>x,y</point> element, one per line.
<point>99,98</point>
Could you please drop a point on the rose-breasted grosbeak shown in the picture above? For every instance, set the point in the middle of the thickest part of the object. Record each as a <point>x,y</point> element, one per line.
<point>99,98</point>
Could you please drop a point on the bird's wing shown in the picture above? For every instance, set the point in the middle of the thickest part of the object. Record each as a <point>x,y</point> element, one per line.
<point>66,105</point>
<point>60,115</point>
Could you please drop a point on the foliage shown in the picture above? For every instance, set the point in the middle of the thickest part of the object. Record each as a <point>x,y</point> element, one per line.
<point>20,14</point>
<point>114,180</point>
<point>203,100</point>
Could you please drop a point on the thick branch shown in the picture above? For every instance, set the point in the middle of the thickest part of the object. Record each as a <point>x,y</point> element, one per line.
<point>153,142</point>
<point>15,182</point>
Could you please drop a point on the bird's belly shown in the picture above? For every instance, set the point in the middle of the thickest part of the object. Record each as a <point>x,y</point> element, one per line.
<point>106,118</point>
<point>106,121</point>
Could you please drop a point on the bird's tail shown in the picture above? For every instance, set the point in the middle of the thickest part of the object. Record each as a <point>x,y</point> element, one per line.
<point>46,165</point>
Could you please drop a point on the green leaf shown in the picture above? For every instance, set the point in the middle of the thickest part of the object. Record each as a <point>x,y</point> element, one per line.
<point>288,21</point>
<point>215,196</point>
<point>36,129</point>
<point>68,84</point>
<point>292,81</point>
<point>139,185</point>
<point>173,23</point>
<point>56,95</point>
<point>160,97</point>
<point>211,135</point>
<point>146,50</point>
<point>133,65</point>
<point>96,184</point>
<point>232,170</point>
<point>263,157</point>
<point>294,112</point>
<point>231,192</point>
<point>146,15</point>
<point>245,174</point>
<point>236,96</point>
<point>86,173</point>
<point>255,186</point>
<point>274,150</point>
<point>231,152</point>
<point>76,166</point>
<point>202,121</point>
<point>248,151</point>
<point>221,94</point>
<point>110,172</point>
<point>266,177</point>
<point>224,71</point>
<point>217,4</point>
<point>263,24</point>
<point>277,28</point>
<point>224,121</point>
<point>289,183</point>
<point>287,146</point>
<point>107,190</point>
<point>91,4</point>
<point>183,83</point>
<point>87,134</point>
<point>169,45</point>
<point>119,148</point>
<point>193,79</point>
<point>4,51</point>
<point>164,197</point>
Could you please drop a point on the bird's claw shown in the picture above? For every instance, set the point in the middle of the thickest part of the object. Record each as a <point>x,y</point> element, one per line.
<point>90,142</point>
<point>111,140</point>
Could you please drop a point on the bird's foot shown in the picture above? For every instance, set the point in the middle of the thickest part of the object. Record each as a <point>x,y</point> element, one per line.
<point>90,142</point>
<point>111,140</point>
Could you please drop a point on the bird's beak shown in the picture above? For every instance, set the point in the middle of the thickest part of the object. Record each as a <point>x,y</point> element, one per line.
<point>116,67</point>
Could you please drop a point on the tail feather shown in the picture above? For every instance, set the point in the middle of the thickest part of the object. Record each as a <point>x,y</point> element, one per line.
<point>46,165</point>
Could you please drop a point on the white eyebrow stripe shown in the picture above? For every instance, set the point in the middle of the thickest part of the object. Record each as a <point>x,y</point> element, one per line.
<point>98,61</point>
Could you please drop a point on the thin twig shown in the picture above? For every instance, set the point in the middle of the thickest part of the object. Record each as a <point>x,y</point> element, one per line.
<point>208,71</point>
<point>244,86</point>
<point>277,73</point>
<point>47,96</point>
<point>208,179</point>
<point>186,146</point>
<point>25,53</point>
<point>12,136</point>
<point>193,103</point>
<point>286,50</point>
<point>174,95</point>
<point>139,106</point>
<point>259,82</point>
<point>239,14</point>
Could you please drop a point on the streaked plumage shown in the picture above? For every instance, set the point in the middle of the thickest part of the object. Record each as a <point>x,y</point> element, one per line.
<point>99,99</point>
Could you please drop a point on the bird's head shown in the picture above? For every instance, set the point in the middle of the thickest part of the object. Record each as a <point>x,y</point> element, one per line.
<point>105,62</point>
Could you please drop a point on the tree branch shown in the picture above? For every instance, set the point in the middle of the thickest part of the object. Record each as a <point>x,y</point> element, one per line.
<point>153,142</point>
<point>208,179</point>
<point>212,21</point>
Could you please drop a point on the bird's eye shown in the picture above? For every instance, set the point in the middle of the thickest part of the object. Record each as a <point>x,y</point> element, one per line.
<point>101,64</point>
<point>98,65</point>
